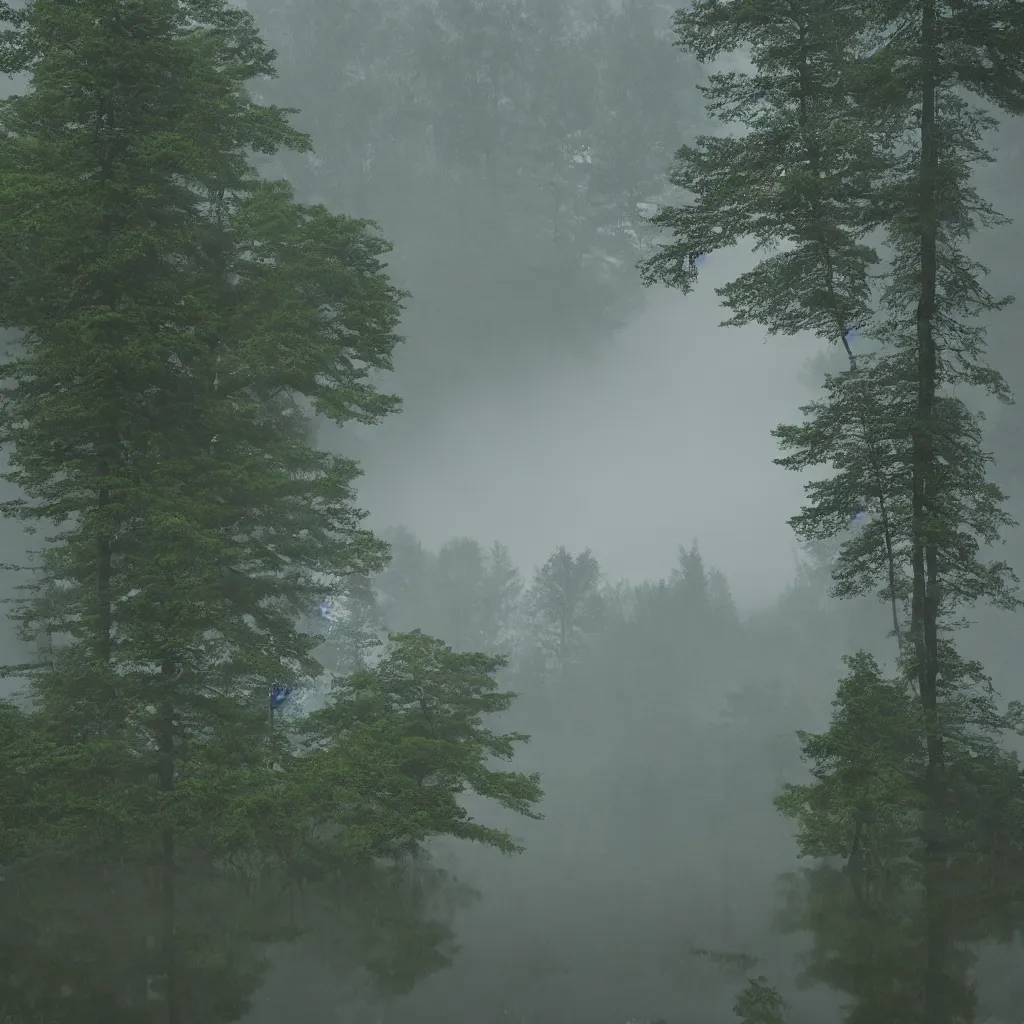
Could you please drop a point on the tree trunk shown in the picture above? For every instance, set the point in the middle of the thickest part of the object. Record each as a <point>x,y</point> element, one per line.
<point>925,605</point>
<point>935,1003</point>
<point>165,740</point>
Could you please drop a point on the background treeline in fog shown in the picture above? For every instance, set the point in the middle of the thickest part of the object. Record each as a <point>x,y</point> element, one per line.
<point>516,148</point>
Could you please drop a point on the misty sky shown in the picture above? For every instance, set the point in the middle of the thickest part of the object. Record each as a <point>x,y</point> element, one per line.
<point>659,439</point>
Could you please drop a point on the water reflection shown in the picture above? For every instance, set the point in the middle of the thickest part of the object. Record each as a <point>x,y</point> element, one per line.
<point>96,943</point>
<point>919,861</point>
<point>903,950</point>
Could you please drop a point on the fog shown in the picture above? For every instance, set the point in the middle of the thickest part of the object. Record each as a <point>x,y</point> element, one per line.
<point>656,438</point>
<point>537,423</point>
<point>547,404</point>
<point>659,437</point>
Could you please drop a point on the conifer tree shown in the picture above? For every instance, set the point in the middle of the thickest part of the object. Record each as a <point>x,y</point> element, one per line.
<point>174,310</point>
<point>178,316</point>
<point>179,319</point>
<point>859,128</point>
<point>385,761</point>
<point>826,163</point>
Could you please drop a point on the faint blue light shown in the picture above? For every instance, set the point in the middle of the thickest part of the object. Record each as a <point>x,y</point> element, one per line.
<point>859,516</point>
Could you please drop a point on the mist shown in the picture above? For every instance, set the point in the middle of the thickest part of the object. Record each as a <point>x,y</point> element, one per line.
<point>580,497</point>
<point>659,437</point>
<point>654,439</point>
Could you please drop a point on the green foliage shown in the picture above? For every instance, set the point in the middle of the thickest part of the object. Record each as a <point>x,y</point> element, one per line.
<point>810,171</point>
<point>179,317</point>
<point>760,1003</point>
<point>905,950</point>
<point>384,763</point>
<point>174,310</point>
<point>856,130</point>
<point>804,172</point>
<point>831,156</point>
<point>869,795</point>
<point>802,179</point>
<point>867,767</point>
<point>178,321</point>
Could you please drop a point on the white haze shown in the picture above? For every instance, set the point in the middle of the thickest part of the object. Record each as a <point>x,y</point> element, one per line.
<point>662,438</point>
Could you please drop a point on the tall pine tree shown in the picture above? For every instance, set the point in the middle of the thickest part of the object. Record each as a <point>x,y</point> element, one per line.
<point>830,159</point>
<point>178,317</point>
<point>859,130</point>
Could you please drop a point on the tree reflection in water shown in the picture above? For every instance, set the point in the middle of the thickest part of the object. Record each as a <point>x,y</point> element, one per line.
<point>898,919</point>
<point>85,945</point>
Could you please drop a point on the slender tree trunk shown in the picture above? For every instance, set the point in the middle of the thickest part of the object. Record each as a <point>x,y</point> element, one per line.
<point>114,713</point>
<point>165,740</point>
<point>924,626</point>
<point>935,1004</point>
<point>108,447</point>
<point>925,605</point>
<point>169,914</point>
<point>103,613</point>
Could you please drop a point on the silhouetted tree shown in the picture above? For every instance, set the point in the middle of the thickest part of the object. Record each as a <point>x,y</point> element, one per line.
<point>565,601</point>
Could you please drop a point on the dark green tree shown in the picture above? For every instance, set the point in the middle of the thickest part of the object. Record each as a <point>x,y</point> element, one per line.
<point>179,319</point>
<point>176,315</point>
<point>821,168</point>
<point>385,762</point>
<point>901,947</point>
<point>760,1003</point>
<point>893,926</point>
<point>859,126</point>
